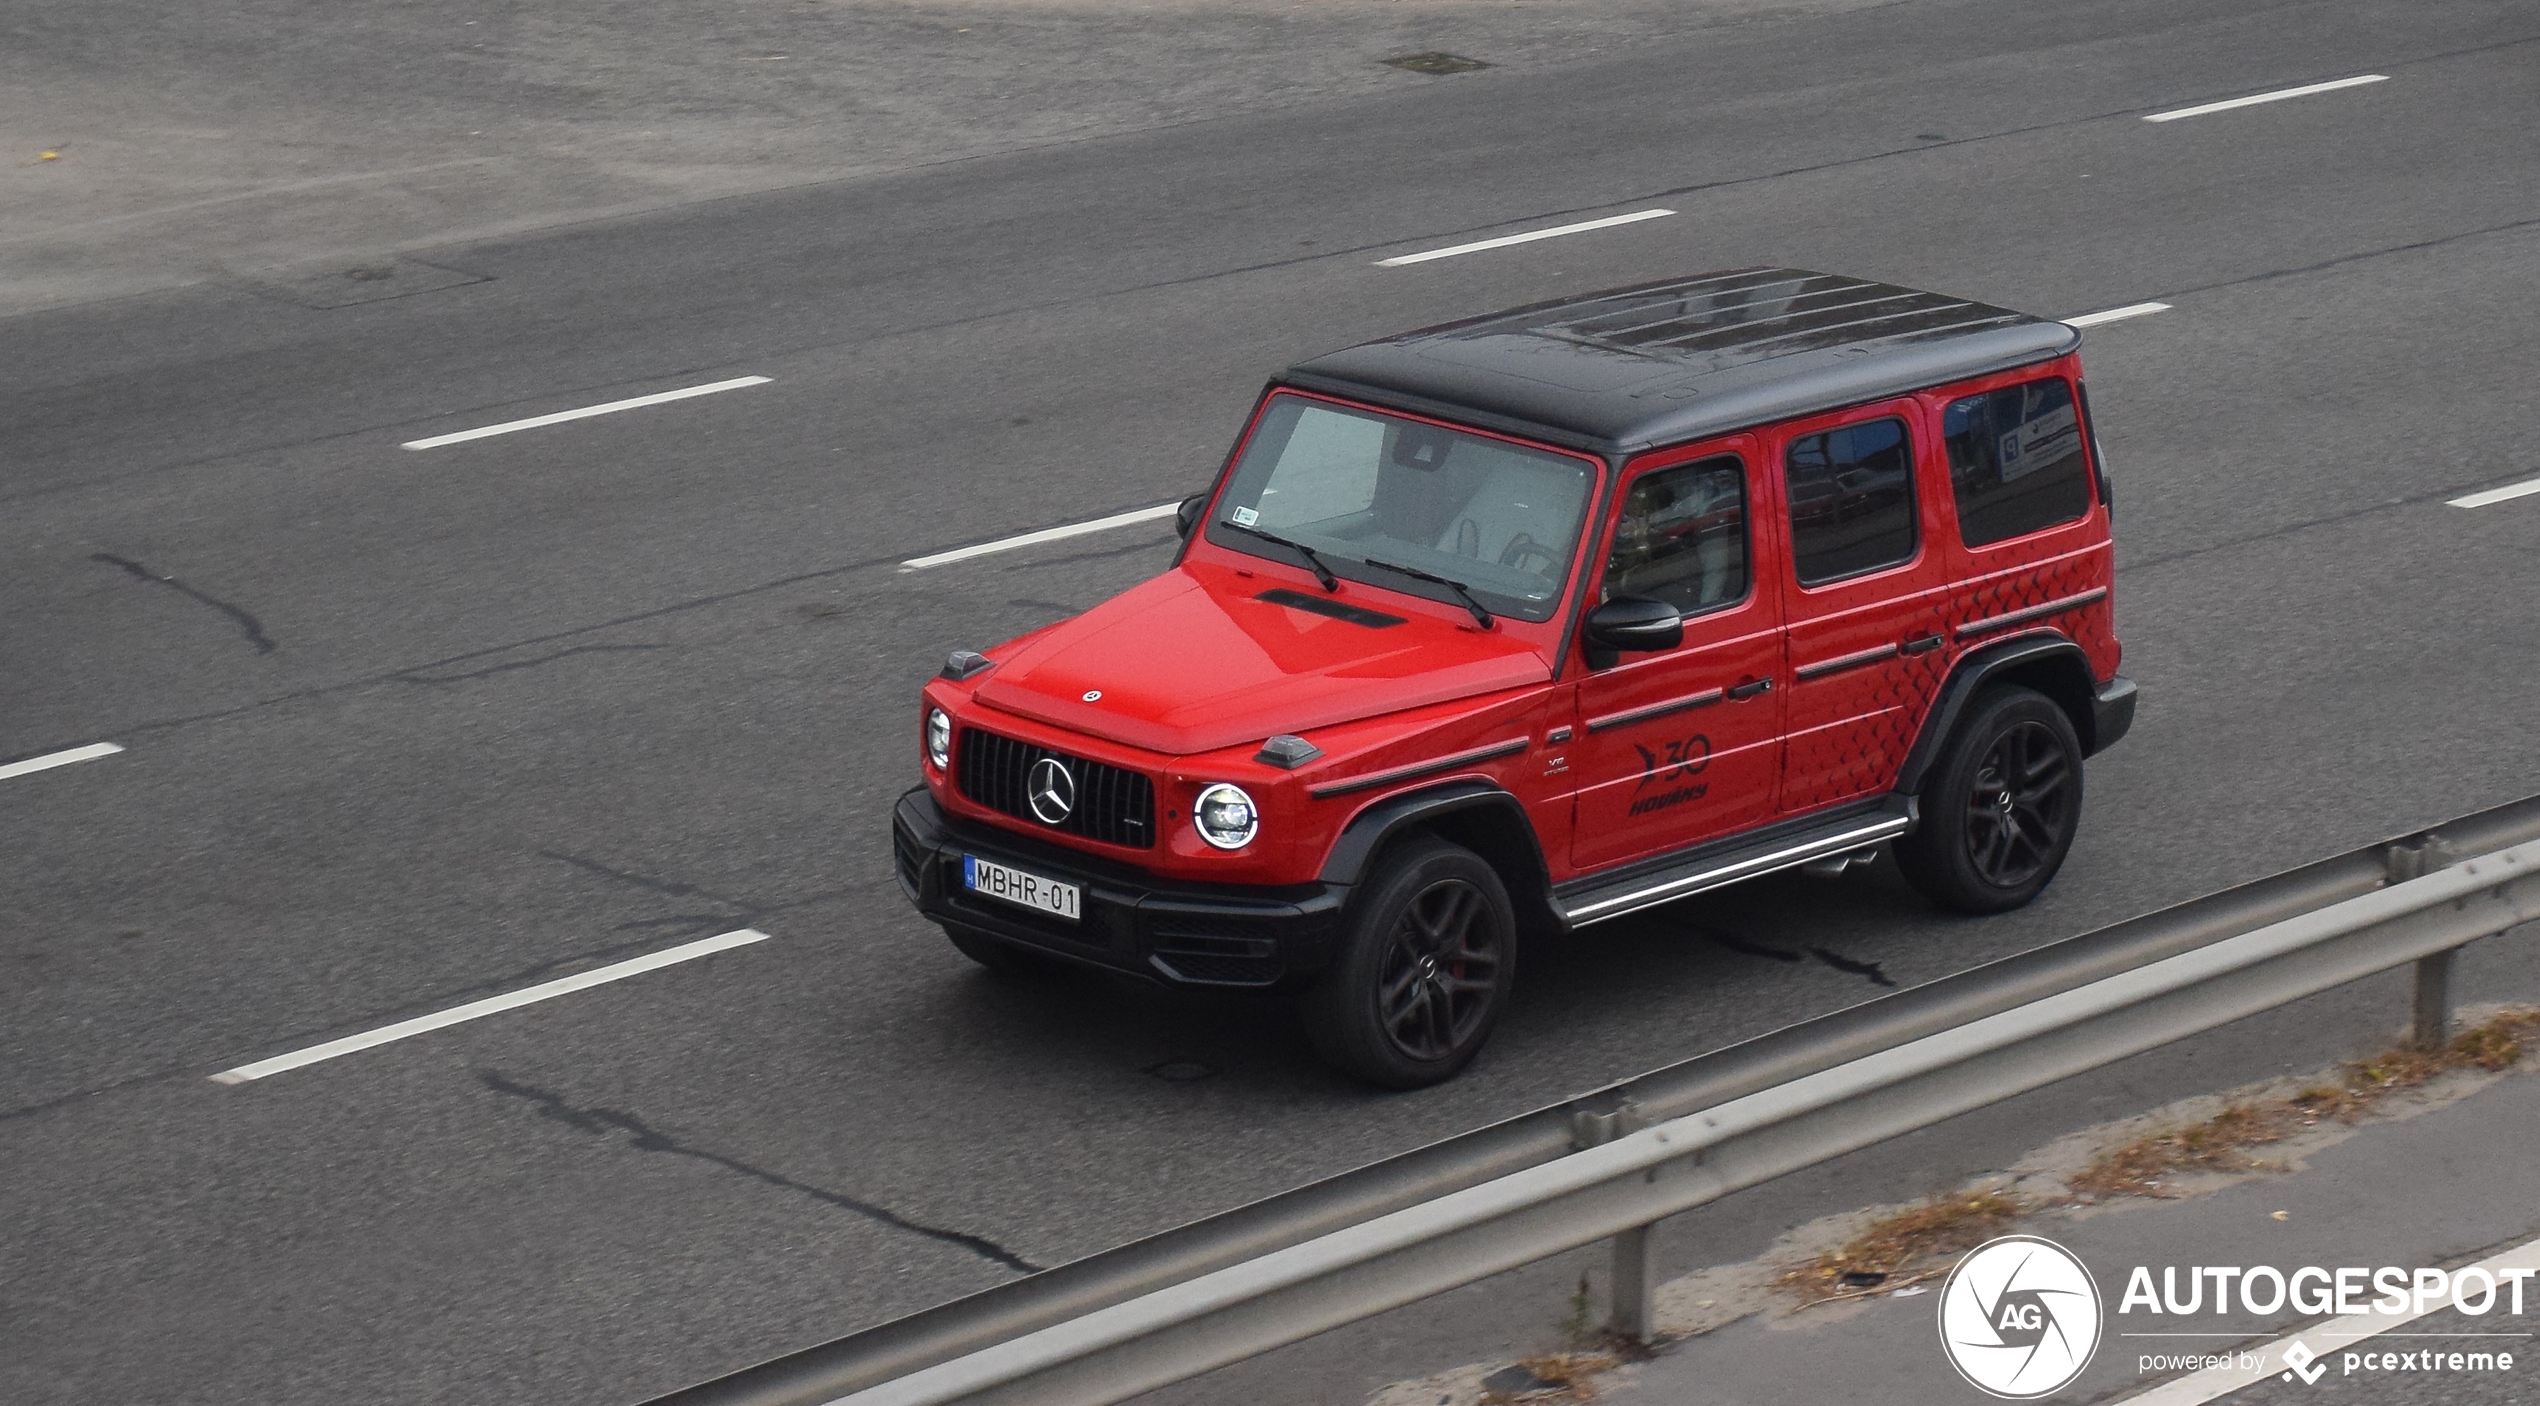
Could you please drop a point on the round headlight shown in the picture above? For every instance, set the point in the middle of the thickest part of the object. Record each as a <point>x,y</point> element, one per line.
<point>1225,818</point>
<point>938,738</point>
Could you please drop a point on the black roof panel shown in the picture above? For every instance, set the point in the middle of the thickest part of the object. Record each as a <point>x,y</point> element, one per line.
<point>1686,358</point>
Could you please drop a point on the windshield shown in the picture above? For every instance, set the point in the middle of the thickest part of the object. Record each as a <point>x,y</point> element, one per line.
<point>1355,486</point>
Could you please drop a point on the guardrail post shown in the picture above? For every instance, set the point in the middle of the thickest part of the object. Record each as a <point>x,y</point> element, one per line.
<point>2434,1000</point>
<point>1635,1270</point>
<point>2415,859</point>
<point>1635,1285</point>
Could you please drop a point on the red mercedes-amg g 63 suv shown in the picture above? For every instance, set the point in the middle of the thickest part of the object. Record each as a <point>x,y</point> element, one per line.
<point>1526,622</point>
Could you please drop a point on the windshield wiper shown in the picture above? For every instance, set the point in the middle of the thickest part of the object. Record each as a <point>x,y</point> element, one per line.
<point>1322,573</point>
<point>1480,616</point>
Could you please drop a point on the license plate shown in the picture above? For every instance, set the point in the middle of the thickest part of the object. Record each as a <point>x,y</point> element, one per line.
<point>1021,889</point>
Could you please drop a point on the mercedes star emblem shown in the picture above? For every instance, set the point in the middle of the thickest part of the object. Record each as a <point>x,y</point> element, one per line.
<point>1053,791</point>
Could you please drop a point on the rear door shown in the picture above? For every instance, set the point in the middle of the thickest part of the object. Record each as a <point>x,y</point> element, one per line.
<point>1682,746</point>
<point>1863,578</point>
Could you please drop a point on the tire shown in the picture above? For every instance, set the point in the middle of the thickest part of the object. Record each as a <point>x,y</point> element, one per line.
<point>2000,811</point>
<point>1426,900</point>
<point>1002,959</point>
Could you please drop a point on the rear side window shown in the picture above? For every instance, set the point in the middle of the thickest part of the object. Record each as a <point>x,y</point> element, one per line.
<point>1851,500</point>
<point>1682,537</point>
<point>2015,461</point>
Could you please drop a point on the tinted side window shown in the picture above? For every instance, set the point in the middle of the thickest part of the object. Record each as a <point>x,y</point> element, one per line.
<point>2015,461</point>
<point>1682,537</point>
<point>1851,500</point>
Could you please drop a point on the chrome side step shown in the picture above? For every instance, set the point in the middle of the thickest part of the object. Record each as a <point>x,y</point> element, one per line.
<point>1718,870</point>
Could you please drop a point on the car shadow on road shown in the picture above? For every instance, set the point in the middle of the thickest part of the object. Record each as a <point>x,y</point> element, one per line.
<point>1601,1004</point>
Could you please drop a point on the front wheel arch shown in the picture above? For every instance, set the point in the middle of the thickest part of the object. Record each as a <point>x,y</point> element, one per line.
<point>1475,814</point>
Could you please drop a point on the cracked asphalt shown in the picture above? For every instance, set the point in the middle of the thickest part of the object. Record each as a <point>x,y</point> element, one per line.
<point>410,728</point>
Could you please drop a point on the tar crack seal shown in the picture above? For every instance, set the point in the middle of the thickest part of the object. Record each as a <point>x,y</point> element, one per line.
<point>247,624</point>
<point>644,1138</point>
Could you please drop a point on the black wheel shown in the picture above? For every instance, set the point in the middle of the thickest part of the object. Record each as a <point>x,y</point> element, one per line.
<point>2000,810</point>
<point>1002,959</point>
<point>1423,971</point>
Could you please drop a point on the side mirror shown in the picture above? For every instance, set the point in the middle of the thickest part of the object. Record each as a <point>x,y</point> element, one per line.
<point>1629,623</point>
<point>1186,517</point>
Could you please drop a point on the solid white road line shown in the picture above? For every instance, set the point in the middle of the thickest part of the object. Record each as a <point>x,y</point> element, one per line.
<point>1046,534</point>
<point>50,760</point>
<point>2277,96</point>
<point>1528,237</point>
<point>585,413</point>
<point>2093,319</point>
<point>2325,1339</point>
<point>2505,494</point>
<point>527,995</point>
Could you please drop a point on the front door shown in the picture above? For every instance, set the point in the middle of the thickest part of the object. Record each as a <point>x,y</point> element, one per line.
<point>1682,746</point>
<point>1864,585</point>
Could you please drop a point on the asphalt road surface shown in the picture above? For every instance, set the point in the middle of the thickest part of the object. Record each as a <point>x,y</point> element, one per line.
<point>409,728</point>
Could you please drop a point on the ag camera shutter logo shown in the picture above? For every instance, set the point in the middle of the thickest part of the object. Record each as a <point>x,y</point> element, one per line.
<point>2019,1317</point>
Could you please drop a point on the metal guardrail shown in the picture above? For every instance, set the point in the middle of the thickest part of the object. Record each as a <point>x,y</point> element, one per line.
<point>1614,1162</point>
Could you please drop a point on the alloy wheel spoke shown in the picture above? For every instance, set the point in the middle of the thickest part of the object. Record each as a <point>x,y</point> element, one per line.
<point>2042,827</point>
<point>2022,840</point>
<point>1997,847</point>
<point>1455,914</point>
<point>1407,1013</point>
<point>1441,1022</point>
<point>1439,978</point>
<point>1421,926</point>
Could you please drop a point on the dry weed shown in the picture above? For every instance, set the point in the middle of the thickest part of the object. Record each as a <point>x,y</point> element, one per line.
<point>1569,1376</point>
<point>1907,1246</point>
<point>2222,1143</point>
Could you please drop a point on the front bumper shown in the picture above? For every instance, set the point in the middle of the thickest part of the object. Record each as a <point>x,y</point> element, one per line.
<point>1185,934</point>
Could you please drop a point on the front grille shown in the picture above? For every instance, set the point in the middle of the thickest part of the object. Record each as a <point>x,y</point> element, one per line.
<point>1113,806</point>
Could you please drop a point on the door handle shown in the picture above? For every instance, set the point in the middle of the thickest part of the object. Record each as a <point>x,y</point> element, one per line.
<point>1922,644</point>
<point>1749,690</point>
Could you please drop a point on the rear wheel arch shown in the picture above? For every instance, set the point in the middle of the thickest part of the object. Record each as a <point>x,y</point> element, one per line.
<point>2047,662</point>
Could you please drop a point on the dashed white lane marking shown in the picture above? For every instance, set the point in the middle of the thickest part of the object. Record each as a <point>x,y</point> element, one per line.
<point>1528,237</point>
<point>50,760</point>
<point>585,413</point>
<point>511,1000</point>
<point>1046,534</point>
<point>2093,319</point>
<point>2277,96</point>
<point>2324,1339</point>
<point>2480,499</point>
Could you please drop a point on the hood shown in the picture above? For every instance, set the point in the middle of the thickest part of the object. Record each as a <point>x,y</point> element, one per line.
<point>1192,662</point>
